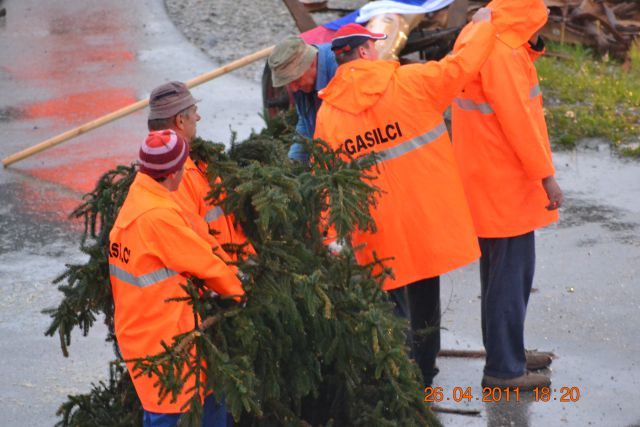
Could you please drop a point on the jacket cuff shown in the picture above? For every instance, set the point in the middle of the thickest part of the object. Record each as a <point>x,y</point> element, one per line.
<point>538,46</point>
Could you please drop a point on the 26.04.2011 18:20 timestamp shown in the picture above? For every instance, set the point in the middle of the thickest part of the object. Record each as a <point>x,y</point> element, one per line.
<point>501,394</point>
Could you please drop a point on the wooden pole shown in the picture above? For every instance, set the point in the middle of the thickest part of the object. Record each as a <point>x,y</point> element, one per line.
<point>303,19</point>
<point>456,411</point>
<point>125,111</point>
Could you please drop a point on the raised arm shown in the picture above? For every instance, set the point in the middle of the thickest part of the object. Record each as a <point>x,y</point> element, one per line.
<point>443,80</point>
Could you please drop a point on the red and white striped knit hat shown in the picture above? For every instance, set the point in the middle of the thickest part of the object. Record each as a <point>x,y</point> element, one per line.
<point>162,153</point>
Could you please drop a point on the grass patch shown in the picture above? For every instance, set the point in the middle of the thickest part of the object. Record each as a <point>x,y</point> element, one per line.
<point>587,96</point>
<point>631,151</point>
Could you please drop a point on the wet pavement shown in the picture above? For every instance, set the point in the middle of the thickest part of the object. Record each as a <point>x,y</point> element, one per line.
<point>65,62</point>
<point>585,307</point>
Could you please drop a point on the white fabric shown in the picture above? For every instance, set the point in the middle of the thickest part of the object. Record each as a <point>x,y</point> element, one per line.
<point>374,8</point>
<point>165,147</point>
<point>167,165</point>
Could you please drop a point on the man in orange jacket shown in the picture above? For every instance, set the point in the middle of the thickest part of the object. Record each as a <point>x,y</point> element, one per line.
<point>423,221</point>
<point>501,145</point>
<point>152,251</point>
<point>171,106</point>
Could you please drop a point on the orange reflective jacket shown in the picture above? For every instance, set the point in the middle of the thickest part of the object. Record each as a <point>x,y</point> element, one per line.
<point>499,132</point>
<point>152,249</point>
<point>191,197</point>
<point>378,106</point>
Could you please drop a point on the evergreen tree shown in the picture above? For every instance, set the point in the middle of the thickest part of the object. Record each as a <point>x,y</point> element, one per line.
<point>313,342</point>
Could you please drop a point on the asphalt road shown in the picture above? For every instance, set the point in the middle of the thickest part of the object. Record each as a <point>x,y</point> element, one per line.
<point>64,62</point>
<point>585,307</point>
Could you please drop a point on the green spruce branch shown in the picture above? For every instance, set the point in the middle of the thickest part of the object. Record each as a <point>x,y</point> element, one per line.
<point>314,342</point>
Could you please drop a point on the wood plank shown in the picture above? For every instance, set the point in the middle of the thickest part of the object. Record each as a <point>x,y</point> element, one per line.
<point>457,14</point>
<point>302,18</point>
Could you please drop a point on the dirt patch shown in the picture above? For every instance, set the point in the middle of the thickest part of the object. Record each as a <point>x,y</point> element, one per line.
<point>577,212</point>
<point>229,29</point>
<point>10,113</point>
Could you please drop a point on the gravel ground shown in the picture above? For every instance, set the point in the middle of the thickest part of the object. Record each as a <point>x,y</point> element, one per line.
<point>229,29</point>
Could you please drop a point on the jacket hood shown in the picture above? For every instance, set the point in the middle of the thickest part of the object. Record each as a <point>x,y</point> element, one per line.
<point>516,21</point>
<point>148,195</point>
<point>359,84</point>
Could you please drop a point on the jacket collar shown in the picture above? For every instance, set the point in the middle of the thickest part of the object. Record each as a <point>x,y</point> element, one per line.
<point>146,183</point>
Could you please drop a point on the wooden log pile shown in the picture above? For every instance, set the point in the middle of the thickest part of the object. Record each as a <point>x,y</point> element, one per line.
<point>609,26</point>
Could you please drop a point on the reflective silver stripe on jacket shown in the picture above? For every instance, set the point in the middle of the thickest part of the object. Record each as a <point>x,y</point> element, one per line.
<point>485,107</point>
<point>144,280</point>
<point>469,105</point>
<point>213,214</point>
<point>535,91</point>
<point>412,144</point>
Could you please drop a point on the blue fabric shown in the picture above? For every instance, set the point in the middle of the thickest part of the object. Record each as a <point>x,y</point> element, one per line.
<point>297,152</point>
<point>506,275</point>
<point>412,2</point>
<point>351,18</point>
<point>347,19</point>
<point>214,415</point>
<point>308,104</point>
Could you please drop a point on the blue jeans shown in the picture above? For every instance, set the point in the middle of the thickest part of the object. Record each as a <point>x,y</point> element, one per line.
<point>214,415</point>
<point>506,275</point>
<point>297,152</point>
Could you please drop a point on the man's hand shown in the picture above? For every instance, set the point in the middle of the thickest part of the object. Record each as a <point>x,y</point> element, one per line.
<point>335,247</point>
<point>554,193</point>
<point>483,14</point>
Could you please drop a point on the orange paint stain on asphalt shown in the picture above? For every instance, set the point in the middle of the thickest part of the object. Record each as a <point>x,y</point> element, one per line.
<point>78,63</point>
<point>49,205</point>
<point>79,172</point>
<point>79,107</point>
<point>78,166</point>
<point>71,64</point>
<point>109,56</point>
<point>81,176</point>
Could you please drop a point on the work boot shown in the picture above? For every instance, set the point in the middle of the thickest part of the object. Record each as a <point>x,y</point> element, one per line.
<point>525,382</point>
<point>537,360</point>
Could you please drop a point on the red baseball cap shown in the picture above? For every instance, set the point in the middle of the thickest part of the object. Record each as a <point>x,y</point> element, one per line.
<point>351,36</point>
